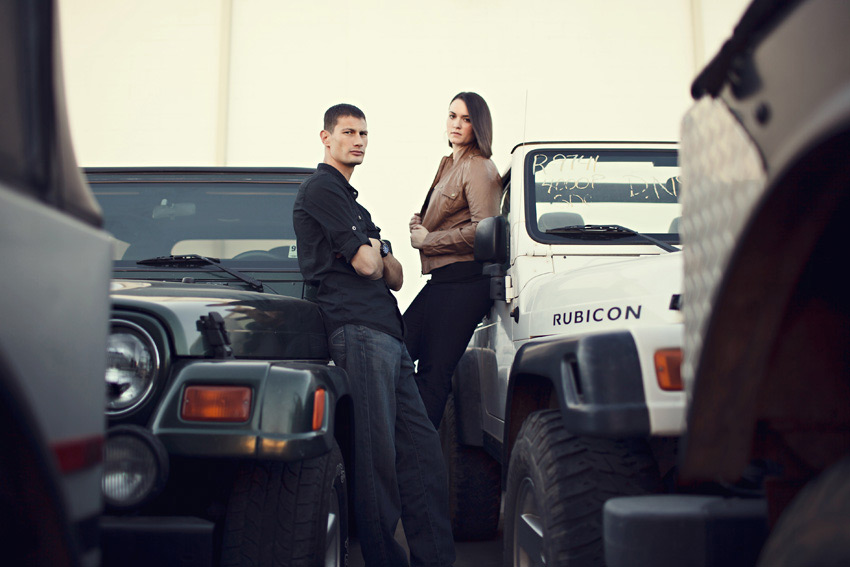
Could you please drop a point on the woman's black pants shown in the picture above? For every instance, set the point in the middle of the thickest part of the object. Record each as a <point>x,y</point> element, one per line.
<point>439,324</point>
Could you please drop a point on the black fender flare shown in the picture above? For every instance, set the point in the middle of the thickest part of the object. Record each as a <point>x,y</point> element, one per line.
<point>468,381</point>
<point>280,426</point>
<point>596,381</point>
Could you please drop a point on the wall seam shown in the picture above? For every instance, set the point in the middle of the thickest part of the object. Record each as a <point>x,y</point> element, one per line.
<point>697,36</point>
<point>223,110</point>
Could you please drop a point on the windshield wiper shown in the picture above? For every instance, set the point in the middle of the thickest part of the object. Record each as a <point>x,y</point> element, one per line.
<point>603,231</point>
<point>184,260</point>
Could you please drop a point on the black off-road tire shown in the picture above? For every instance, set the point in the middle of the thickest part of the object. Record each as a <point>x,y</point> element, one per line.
<point>557,485</point>
<point>475,491</point>
<point>288,514</point>
<point>814,531</point>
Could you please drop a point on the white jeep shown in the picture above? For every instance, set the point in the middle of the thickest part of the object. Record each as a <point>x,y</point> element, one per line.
<point>569,392</point>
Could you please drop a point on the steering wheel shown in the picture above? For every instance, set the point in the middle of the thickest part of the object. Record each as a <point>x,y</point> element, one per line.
<point>256,255</point>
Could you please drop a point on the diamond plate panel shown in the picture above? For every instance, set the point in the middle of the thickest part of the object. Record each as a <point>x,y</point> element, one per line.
<point>723,178</point>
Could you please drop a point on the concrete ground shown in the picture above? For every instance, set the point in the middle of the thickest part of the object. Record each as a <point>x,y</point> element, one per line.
<point>469,553</point>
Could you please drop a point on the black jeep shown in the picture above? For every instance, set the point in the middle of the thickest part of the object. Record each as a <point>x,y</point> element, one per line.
<point>227,425</point>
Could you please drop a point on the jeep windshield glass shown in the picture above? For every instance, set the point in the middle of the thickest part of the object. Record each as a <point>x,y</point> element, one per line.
<point>638,189</point>
<point>246,225</point>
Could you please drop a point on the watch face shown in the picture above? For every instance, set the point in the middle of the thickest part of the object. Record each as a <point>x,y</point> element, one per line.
<point>385,249</point>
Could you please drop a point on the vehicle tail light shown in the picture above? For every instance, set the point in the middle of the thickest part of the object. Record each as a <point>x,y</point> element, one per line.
<point>668,368</point>
<point>216,403</point>
<point>74,455</point>
<point>318,409</point>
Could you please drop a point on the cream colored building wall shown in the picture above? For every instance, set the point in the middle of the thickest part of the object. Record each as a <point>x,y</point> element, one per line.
<point>245,82</point>
<point>141,80</point>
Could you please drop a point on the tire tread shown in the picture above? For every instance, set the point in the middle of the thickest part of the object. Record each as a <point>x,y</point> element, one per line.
<point>475,491</point>
<point>578,474</point>
<point>276,512</point>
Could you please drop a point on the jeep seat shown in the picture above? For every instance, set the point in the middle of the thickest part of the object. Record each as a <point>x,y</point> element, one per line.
<point>548,221</point>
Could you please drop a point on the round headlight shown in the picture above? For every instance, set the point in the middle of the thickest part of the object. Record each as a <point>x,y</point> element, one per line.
<point>132,363</point>
<point>135,467</point>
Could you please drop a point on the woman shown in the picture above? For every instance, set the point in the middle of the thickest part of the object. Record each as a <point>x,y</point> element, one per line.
<point>467,188</point>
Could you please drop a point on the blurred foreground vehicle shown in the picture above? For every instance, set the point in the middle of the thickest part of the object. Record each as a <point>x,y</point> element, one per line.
<point>227,426</point>
<point>53,284</point>
<point>767,316</point>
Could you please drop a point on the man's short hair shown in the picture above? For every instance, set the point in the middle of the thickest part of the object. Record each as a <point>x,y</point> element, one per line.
<point>337,111</point>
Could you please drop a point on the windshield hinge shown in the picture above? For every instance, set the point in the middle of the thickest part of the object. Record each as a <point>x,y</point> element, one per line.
<point>510,293</point>
<point>212,328</point>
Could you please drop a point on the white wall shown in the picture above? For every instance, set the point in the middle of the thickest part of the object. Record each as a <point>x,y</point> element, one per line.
<point>245,82</point>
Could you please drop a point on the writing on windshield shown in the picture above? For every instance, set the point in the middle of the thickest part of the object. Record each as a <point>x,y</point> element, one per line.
<point>583,178</point>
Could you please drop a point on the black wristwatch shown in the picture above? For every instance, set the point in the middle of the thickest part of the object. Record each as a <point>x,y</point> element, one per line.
<point>386,249</point>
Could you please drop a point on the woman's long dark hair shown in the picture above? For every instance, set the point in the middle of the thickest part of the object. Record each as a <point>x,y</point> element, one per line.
<point>482,122</point>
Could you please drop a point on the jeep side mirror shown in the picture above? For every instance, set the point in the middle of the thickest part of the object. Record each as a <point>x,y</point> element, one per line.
<point>491,249</point>
<point>491,241</point>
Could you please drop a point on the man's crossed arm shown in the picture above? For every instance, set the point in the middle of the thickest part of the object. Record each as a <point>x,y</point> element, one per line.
<point>368,263</point>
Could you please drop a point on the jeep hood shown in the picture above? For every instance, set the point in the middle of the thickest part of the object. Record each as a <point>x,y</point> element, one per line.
<point>606,294</point>
<point>259,325</point>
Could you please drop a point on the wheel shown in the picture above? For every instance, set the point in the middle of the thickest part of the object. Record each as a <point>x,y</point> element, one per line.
<point>557,485</point>
<point>288,514</point>
<point>475,491</point>
<point>814,531</point>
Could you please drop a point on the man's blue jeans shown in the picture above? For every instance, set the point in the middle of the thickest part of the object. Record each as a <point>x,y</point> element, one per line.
<point>398,464</point>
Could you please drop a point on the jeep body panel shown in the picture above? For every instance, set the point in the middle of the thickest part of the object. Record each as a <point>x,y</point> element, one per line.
<point>567,291</point>
<point>615,394</point>
<point>280,423</point>
<point>53,285</point>
<point>760,239</point>
<point>57,369</point>
<point>641,298</point>
<point>260,325</point>
<point>764,150</point>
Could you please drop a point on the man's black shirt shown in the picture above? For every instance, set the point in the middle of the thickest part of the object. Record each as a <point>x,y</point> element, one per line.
<point>331,226</point>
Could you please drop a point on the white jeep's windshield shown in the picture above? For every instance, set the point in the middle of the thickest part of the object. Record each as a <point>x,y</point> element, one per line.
<point>638,189</point>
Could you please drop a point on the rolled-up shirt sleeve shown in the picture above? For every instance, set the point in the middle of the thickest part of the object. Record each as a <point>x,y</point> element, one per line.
<point>482,188</point>
<point>332,211</point>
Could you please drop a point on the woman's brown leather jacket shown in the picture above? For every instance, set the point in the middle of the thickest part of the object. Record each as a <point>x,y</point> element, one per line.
<point>463,193</point>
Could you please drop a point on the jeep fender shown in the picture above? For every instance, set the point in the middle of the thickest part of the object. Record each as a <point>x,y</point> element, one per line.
<point>281,422</point>
<point>771,378</point>
<point>468,380</point>
<point>595,381</point>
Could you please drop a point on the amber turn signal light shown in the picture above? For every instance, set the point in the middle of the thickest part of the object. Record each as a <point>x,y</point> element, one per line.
<point>216,403</point>
<point>668,368</point>
<point>318,409</point>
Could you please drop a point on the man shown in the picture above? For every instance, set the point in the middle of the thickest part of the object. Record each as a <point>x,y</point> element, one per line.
<point>398,467</point>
